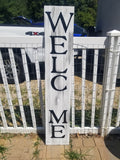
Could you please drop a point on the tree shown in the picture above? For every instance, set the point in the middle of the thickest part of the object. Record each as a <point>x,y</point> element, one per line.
<point>5,15</point>
<point>36,9</point>
<point>10,9</point>
<point>85,10</point>
<point>86,13</point>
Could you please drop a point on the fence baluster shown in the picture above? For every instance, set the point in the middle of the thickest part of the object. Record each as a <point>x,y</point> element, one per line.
<point>38,71</point>
<point>72,93</point>
<point>7,91</point>
<point>118,115</point>
<point>83,87</point>
<point>28,86</point>
<point>94,88</point>
<point>3,115</point>
<point>13,65</point>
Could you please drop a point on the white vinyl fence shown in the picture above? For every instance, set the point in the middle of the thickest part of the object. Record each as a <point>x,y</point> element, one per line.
<point>95,104</point>
<point>23,43</point>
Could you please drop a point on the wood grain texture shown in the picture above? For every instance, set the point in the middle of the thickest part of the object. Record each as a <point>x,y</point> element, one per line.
<point>58,61</point>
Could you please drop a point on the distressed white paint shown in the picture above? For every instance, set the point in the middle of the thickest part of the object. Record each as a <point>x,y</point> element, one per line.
<point>58,98</point>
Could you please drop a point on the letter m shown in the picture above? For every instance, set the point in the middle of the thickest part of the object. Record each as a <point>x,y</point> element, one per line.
<point>60,17</point>
<point>52,114</point>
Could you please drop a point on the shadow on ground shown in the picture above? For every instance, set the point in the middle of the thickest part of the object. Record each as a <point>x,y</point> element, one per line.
<point>42,137</point>
<point>112,142</point>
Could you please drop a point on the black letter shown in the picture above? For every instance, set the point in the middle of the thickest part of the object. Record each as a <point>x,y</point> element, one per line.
<point>54,67</point>
<point>53,83</point>
<point>62,20</point>
<point>56,118</point>
<point>53,44</point>
<point>53,131</point>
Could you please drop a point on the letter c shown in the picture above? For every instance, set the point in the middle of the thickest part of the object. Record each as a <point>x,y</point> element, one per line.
<point>53,83</point>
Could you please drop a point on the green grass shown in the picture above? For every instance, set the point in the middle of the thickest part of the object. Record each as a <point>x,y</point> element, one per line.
<point>97,117</point>
<point>87,117</point>
<point>3,152</point>
<point>75,155</point>
<point>36,151</point>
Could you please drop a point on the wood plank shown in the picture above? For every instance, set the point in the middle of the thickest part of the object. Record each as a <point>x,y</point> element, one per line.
<point>59,22</point>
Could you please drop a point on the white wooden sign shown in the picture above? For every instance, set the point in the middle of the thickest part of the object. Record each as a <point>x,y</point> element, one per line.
<point>59,22</point>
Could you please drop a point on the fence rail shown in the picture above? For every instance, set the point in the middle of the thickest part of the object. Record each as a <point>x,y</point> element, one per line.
<point>22,102</point>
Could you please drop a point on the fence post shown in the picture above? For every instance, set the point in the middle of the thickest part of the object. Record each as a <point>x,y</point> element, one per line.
<point>109,79</point>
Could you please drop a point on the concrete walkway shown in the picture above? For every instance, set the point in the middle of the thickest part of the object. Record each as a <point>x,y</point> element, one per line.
<point>28,147</point>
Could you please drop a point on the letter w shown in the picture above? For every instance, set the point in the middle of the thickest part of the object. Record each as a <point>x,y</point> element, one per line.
<point>52,113</point>
<point>60,17</point>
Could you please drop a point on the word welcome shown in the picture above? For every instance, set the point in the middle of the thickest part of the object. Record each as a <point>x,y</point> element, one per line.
<point>58,35</point>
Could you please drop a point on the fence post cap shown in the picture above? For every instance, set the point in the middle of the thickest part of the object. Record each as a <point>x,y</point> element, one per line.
<point>113,33</point>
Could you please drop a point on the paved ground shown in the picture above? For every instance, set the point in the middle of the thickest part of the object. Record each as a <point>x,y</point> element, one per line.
<point>32,147</point>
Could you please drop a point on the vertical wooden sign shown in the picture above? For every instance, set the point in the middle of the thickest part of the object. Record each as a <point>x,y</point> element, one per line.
<point>59,22</point>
